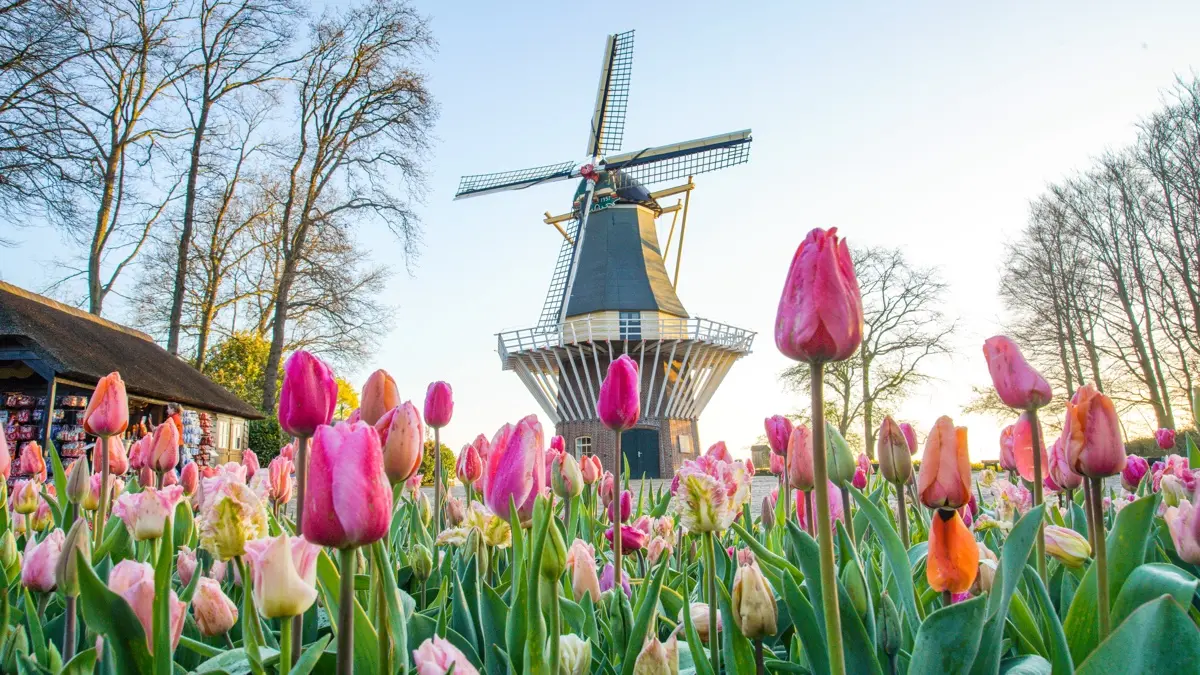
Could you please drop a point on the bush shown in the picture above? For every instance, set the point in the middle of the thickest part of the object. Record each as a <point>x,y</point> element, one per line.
<point>1148,446</point>
<point>448,461</point>
<point>266,438</point>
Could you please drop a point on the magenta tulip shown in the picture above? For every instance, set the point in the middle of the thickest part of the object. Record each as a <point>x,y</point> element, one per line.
<point>558,444</point>
<point>469,466</point>
<point>1017,383</point>
<point>107,412</point>
<point>776,465</point>
<point>5,457</point>
<point>439,405</point>
<point>632,539</point>
<point>308,395</point>
<point>620,404</point>
<point>820,315</point>
<point>1165,438</point>
<point>1135,469</point>
<point>348,501</point>
<point>626,504</point>
<point>515,469</point>
<point>779,431</point>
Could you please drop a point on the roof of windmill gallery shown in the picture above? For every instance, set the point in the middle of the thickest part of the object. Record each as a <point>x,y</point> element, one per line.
<point>84,347</point>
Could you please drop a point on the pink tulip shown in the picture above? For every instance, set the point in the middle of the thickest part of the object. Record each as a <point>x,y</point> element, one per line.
<point>436,656</point>
<point>558,443</point>
<point>820,315</point>
<point>284,574</point>
<point>134,582</point>
<point>590,467</point>
<point>581,563</point>
<point>632,539</point>
<point>1048,484</point>
<point>25,496</point>
<point>288,451</point>
<point>1022,446</point>
<point>1184,523</point>
<point>250,461</point>
<point>107,412</point>
<point>32,462</point>
<point>379,395</point>
<point>137,453</point>
<point>308,395</point>
<point>1165,438</point>
<point>215,613</point>
<point>164,448</point>
<point>620,404</point>
<point>1060,468</point>
<point>5,457</point>
<point>1008,456</point>
<point>189,478</point>
<point>170,478</point>
<point>37,567</point>
<point>719,451</point>
<point>118,459</point>
<point>910,435</point>
<point>944,481</point>
<point>145,513</point>
<point>279,476</point>
<point>146,477</point>
<point>185,565</point>
<point>1092,433</point>
<point>750,467</point>
<point>626,504</point>
<point>402,439</point>
<point>607,483</point>
<point>348,493</point>
<point>779,431</point>
<point>548,458</point>
<point>482,448</point>
<point>516,469</point>
<point>835,506</point>
<point>1135,469</point>
<point>439,405</point>
<point>1017,383</point>
<point>776,465</point>
<point>800,459</point>
<point>469,466</point>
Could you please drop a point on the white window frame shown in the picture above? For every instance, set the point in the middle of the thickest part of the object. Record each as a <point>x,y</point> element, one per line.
<point>583,446</point>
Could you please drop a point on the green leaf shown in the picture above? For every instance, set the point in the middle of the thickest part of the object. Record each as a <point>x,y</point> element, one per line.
<point>234,662</point>
<point>695,646</point>
<point>84,663</point>
<point>763,554</point>
<point>737,651</point>
<point>1031,664</point>
<point>1193,452</point>
<point>493,615</point>
<point>948,640</point>
<point>34,623</point>
<point>1126,550</point>
<point>646,613</point>
<point>162,607</point>
<point>109,615</point>
<point>1149,582</point>
<point>805,621</point>
<point>60,475</point>
<point>1060,652</point>
<point>1157,638</point>
<point>397,626</point>
<point>366,644</point>
<point>309,658</point>
<point>894,553</point>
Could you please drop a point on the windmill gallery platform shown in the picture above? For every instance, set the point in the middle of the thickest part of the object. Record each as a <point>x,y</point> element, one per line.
<point>610,293</point>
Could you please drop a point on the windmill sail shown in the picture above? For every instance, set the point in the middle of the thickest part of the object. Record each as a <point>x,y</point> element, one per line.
<point>552,306</point>
<point>679,160</point>
<point>612,96</point>
<point>486,183</point>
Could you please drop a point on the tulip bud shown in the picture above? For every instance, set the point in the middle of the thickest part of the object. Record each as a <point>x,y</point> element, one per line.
<point>66,572</point>
<point>439,405</point>
<point>658,658</point>
<point>469,466</point>
<point>838,458</point>
<point>566,477</point>
<point>79,480</point>
<point>424,508</point>
<point>887,624</point>
<point>476,547</point>
<point>625,504</point>
<point>590,469</point>
<point>421,561</point>
<point>250,461</point>
<point>1018,384</point>
<point>347,489</point>
<point>1135,469</point>
<point>402,439</point>
<point>42,518</point>
<point>1165,438</point>
<point>1067,546</point>
<point>620,615</point>
<point>1173,490</point>
<point>779,432</point>
<point>619,403</point>
<point>800,459</point>
<point>455,512</point>
<point>41,558</point>
<point>944,480</point>
<point>852,580</point>
<point>8,550</point>
<point>25,497</point>
<point>32,462</point>
<point>574,655</point>
<point>820,316</point>
<point>753,602</point>
<point>988,562</point>
<point>895,460</point>
<point>768,513</point>
<point>215,613</point>
<point>554,553</point>
<point>700,619</point>
<point>189,478</point>
<point>107,412</point>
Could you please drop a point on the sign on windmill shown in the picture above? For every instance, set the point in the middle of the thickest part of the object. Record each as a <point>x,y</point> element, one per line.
<point>610,293</point>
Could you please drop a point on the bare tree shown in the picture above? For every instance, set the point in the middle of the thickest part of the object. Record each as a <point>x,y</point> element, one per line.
<point>363,120</point>
<point>239,44</point>
<point>903,326</point>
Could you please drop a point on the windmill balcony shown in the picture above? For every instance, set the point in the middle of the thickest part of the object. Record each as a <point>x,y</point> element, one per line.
<point>615,329</point>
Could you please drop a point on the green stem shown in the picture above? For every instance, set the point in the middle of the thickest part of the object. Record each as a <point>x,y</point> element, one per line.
<point>1101,556</point>
<point>382,627</point>
<point>902,516</point>
<point>102,509</point>
<point>616,512</point>
<point>301,482</point>
<point>846,511</point>
<point>710,571</point>
<point>785,487</point>
<point>285,647</point>
<point>437,480</point>
<point>345,633</point>
<point>829,598</point>
<point>759,666</point>
<point>69,623</point>
<point>555,627</point>
<point>1035,429</point>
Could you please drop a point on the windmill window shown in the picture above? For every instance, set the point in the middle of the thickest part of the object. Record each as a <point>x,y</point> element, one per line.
<point>685,444</point>
<point>630,324</point>
<point>583,446</point>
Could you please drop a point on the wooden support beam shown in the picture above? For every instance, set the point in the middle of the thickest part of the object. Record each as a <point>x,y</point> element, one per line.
<point>553,220</point>
<point>687,198</point>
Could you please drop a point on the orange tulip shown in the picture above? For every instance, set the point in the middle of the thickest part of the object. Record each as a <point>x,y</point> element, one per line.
<point>953,558</point>
<point>107,413</point>
<point>1093,434</point>
<point>379,395</point>
<point>945,477</point>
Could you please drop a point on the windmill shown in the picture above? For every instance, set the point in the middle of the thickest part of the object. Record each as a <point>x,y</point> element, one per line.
<point>610,293</point>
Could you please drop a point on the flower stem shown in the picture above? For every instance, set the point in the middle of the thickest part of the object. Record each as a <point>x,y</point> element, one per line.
<point>710,571</point>
<point>1101,557</point>
<point>846,514</point>
<point>1091,518</point>
<point>902,516</point>
<point>382,626</point>
<point>437,480</point>
<point>809,516</point>
<point>102,509</point>
<point>829,598</point>
<point>285,647</point>
<point>785,487</point>
<point>1035,429</point>
<point>759,666</point>
<point>616,512</point>
<point>345,635</point>
<point>69,623</point>
<point>301,482</point>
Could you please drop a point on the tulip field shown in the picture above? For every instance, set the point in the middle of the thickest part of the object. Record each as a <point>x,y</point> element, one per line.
<point>1073,557</point>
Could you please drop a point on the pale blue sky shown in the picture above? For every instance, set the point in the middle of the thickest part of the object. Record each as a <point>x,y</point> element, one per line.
<point>927,127</point>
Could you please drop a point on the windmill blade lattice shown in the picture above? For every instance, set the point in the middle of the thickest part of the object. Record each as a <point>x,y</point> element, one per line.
<point>485,183</point>
<point>552,306</point>
<point>612,97</point>
<point>671,162</point>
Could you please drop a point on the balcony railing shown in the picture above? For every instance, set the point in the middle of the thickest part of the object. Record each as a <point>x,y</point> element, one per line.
<point>589,329</point>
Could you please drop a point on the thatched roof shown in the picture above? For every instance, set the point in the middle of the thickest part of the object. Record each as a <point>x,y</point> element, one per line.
<point>82,347</point>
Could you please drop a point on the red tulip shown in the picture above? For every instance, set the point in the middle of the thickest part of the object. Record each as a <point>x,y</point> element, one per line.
<point>1022,447</point>
<point>800,459</point>
<point>620,404</point>
<point>515,469</point>
<point>250,461</point>
<point>107,412</point>
<point>953,558</point>
<point>379,395</point>
<point>308,395</point>
<point>779,431</point>
<point>348,501</point>
<point>469,466</point>
<point>944,480</point>
<point>403,441</point>
<point>820,315</point>
<point>439,405</point>
<point>189,478</point>
<point>1008,457</point>
<point>164,448</point>
<point>1093,434</point>
<point>32,462</point>
<point>1017,383</point>
<point>1165,438</point>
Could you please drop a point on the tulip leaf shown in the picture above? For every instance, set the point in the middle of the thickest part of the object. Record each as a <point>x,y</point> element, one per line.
<point>1014,555</point>
<point>366,644</point>
<point>1126,550</point>
<point>646,613</point>
<point>462,620</point>
<point>1030,664</point>
<point>83,663</point>
<point>1193,452</point>
<point>893,550</point>
<point>764,555</point>
<point>1060,653</point>
<point>109,615</point>
<point>310,657</point>
<point>34,623</point>
<point>948,640</point>
<point>1149,582</point>
<point>162,602</point>
<point>805,620</point>
<point>699,657</point>
<point>493,616</point>
<point>736,649</point>
<point>60,475</point>
<point>1158,637</point>
<point>397,626</point>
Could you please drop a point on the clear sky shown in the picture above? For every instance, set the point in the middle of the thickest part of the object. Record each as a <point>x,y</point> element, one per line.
<point>924,127</point>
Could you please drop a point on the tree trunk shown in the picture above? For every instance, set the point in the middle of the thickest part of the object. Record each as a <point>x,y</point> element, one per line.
<point>185,234</point>
<point>103,214</point>
<point>868,405</point>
